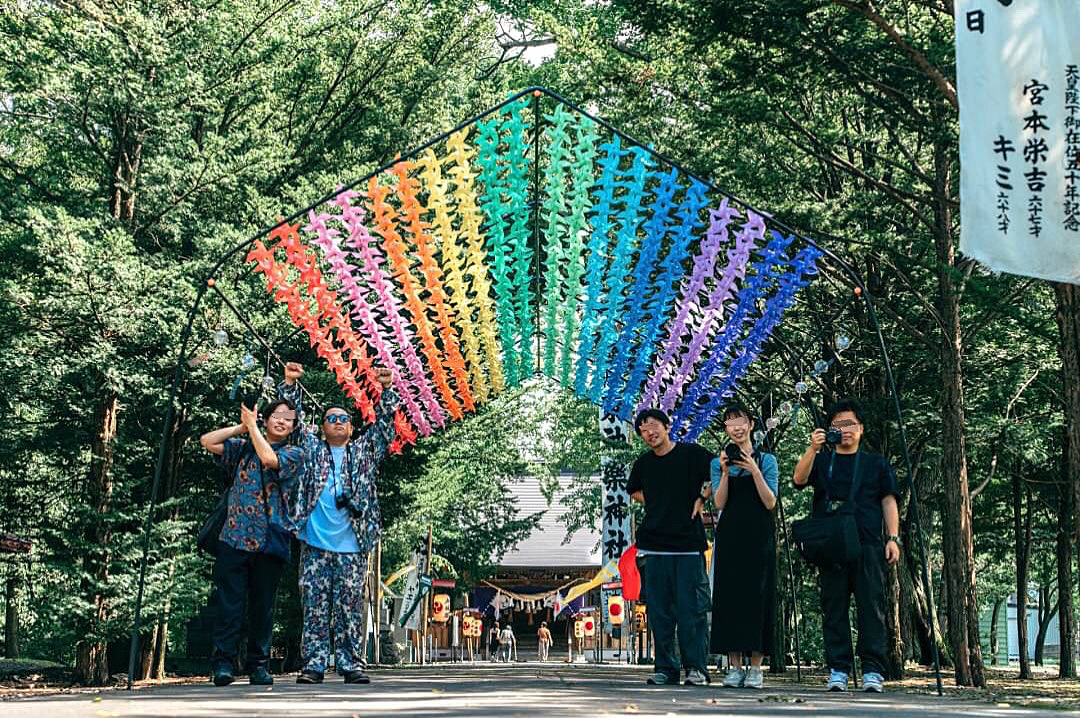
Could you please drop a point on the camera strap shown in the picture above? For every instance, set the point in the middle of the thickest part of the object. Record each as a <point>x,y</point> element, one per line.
<point>339,483</point>
<point>854,477</point>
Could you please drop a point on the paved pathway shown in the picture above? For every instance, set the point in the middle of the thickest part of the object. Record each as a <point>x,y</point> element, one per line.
<point>491,691</point>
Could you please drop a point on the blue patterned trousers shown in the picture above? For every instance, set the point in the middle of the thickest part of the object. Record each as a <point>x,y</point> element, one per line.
<point>332,591</point>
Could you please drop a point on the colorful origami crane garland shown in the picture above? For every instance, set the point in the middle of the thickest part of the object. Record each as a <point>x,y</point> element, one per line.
<point>639,292</point>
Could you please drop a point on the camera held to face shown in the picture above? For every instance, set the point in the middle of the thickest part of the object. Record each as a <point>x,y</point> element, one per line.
<point>833,436</point>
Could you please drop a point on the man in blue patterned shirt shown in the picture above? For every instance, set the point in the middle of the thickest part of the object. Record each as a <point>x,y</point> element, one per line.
<point>336,512</point>
<point>253,546</point>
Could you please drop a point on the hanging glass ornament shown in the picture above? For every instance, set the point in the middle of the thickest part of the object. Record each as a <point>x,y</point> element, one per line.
<point>759,437</point>
<point>268,383</point>
<point>221,337</point>
<point>785,408</point>
<point>820,367</point>
<point>801,387</point>
<point>843,341</point>
<point>247,361</point>
<point>772,422</point>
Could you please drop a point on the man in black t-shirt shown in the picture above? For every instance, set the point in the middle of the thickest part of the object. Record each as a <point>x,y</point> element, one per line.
<point>669,480</point>
<point>831,475</point>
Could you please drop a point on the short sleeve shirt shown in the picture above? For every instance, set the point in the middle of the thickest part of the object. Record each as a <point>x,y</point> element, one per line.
<point>877,480</point>
<point>770,471</point>
<point>671,484</point>
<point>246,523</point>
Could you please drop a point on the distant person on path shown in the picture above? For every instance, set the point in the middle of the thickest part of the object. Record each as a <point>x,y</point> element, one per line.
<point>831,474</point>
<point>744,485</point>
<point>493,642</point>
<point>671,479</point>
<point>506,642</point>
<point>253,546</point>
<point>336,510</point>
<point>544,641</point>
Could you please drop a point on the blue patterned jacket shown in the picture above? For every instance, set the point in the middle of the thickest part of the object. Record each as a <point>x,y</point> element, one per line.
<point>250,512</point>
<point>362,457</point>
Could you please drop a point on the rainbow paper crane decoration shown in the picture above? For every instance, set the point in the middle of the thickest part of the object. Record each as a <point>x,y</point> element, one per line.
<point>499,255</point>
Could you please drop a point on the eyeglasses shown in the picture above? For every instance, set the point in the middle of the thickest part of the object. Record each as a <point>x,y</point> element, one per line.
<point>337,419</point>
<point>845,424</point>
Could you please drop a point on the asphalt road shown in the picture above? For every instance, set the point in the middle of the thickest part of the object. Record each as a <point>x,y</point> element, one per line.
<point>457,691</point>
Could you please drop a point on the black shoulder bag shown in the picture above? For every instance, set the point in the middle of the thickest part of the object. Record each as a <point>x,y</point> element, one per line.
<point>207,538</point>
<point>832,539</point>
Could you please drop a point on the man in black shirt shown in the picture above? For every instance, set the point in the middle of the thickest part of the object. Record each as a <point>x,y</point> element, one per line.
<point>669,479</point>
<point>831,474</point>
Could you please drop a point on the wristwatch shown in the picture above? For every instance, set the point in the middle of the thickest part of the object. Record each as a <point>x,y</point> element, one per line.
<point>894,539</point>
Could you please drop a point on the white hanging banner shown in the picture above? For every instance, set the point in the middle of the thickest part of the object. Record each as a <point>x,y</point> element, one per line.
<point>1018,79</point>
<point>616,507</point>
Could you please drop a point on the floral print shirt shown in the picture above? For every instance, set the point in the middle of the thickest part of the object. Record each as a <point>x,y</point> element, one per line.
<point>250,511</point>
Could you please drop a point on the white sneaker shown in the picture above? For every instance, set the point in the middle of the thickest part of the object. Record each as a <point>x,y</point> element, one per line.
<point>694,677</point>
<point>837,681</point>
<point>873,682</point>
<point>754,678</point>
<point>734,678</point>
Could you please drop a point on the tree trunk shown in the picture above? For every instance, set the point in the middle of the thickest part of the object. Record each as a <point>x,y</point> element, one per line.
<point>1067,616</point>
<point>1022,536</point>
<point>1068,319</point>
<point>11,617</point>
<point>919,606</point>
<point>995,621</point>
<point>894,650</point>
<point>958,544</point>
<point>91,660</point>
<point>1048,608</point>
<point>778,657</point>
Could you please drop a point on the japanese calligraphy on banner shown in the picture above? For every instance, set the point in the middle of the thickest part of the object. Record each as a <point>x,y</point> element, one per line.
<point>616,507</point>
<point>415,590</point>
<point>1018,79</point>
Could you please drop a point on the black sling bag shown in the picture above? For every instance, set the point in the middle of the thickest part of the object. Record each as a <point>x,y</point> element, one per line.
<point>832,539</point>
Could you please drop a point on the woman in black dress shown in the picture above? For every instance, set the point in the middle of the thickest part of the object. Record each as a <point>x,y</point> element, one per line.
<point>744,485</point>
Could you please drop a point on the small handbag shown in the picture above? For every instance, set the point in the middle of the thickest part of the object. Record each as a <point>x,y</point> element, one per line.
<point>207,538</point>
<point>833,539</point>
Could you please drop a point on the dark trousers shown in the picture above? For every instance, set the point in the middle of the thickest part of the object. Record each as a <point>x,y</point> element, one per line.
<point>240,576</point>
<point>677,600</point>
<point>867,581</point>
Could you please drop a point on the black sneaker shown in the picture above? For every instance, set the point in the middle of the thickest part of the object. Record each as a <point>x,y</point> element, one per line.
<point>310,677</point>
<point>261,677</point>
<point>223,676</point>
<point>356,676</point>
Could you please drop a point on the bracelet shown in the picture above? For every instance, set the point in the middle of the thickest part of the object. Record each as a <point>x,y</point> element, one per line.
<point>894,539</point>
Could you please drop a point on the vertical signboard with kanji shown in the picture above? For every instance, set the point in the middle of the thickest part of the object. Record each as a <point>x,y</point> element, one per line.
<point>616,506</point>
<point>1018,79</point>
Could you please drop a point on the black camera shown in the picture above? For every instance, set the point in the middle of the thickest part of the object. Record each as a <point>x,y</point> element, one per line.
<point>343,503</point>
<point>733,452</point>
<point>833,436</point>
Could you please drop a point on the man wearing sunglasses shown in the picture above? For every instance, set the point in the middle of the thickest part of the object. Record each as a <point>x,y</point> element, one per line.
<point>337,512</point>
<point>831,475</point>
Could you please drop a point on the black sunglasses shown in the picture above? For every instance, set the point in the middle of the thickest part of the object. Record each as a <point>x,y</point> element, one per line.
<point>337,419</point>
